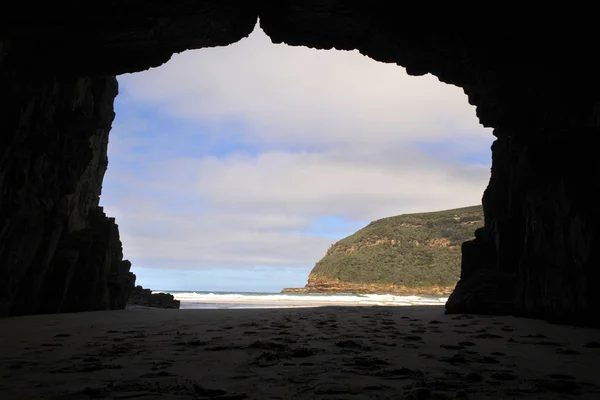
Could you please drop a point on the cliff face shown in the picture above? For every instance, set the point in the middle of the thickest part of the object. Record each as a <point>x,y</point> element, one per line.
<point>325,285</point>
<point>58,250</point>
<point>412,254</point>
<point>529,81</point>
<point>538,253</point>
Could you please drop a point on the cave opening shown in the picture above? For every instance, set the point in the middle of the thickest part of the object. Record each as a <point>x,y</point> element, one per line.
<point>536,257</point>
<point>235,168</point>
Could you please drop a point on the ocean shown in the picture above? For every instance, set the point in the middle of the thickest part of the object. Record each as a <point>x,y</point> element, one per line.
<point>232,300</point>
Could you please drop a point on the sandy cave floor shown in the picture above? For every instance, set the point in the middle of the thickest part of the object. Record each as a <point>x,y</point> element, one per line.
<point>413,352</point>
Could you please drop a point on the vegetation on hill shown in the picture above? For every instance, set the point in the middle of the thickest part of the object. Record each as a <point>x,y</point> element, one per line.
<point>410,250</point>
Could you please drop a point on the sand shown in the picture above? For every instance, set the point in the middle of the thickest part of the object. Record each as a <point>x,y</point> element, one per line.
<point>300,353</point>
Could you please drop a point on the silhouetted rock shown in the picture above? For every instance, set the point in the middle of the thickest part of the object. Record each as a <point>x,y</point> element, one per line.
<point>58,250</point>
<point>485,292</point>
<point>144,297</point>
<point>528,80</point>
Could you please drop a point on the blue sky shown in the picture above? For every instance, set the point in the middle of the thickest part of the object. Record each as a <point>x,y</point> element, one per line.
<point>235,168</point>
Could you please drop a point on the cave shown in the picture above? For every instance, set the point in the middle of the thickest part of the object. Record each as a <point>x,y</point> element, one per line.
<point>537,254</point>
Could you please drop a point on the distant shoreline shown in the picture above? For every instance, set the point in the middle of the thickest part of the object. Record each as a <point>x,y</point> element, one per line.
<point>360,289</point>
<point>225,300</point>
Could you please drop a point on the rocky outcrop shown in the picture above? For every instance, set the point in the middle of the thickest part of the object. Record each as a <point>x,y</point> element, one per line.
<point>144,297</point>
<point>537,86</point>
<point>409,254</point>
<point>321,284</point>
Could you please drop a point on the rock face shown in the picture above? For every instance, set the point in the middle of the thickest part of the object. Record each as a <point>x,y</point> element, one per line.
<point>410,254</point>
<point>58,250</point>
<point>325,285</point>
<point>144,297</point>
<point>529,81</point>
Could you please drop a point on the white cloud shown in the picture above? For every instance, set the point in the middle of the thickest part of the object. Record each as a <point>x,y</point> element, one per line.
<point>317,184</point>
<point>301,95</point>
<point>246,211</point>
<point>336,133</point>
<point>163,238</point>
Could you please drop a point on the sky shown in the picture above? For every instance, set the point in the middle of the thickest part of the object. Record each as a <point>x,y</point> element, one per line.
<point>235,168</point>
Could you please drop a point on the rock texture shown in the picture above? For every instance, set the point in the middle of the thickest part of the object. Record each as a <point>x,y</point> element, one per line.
<point>538,87</point>
<point>144,297</point>
<point>321,284</point>
<point>58,250</point>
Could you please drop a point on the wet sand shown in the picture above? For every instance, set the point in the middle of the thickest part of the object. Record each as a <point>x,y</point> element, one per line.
<point>297,353</point>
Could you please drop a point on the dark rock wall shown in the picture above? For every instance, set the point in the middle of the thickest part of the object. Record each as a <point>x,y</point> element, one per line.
<point>536,84</point>
<point>58,251</point>
<point>542,227</point>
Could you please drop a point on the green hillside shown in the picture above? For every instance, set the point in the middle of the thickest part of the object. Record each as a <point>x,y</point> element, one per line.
<point>410,250</point>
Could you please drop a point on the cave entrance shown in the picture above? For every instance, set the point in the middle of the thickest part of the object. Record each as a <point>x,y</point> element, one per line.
<point>235,168</point>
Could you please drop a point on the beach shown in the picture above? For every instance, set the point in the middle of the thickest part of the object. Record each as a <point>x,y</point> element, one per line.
<point>229,300</point>
<point>334,352</point>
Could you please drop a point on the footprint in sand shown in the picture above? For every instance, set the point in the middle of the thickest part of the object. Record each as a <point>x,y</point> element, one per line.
<point>301,352</point>
<point>486,336</point>
<point>504,376</point>
<point>535,335</point>
<point>474,377</point>
<point>412,337</point>
<point>205,392</point>
<point>368,362</point>
<point>222,348</point>
<point>568,352</point>
<point>451,347</point>
<point>411,346</point>
<point>268,345</point>
<point>463,316</point>
<point>156,374</point>
<point>335,388</point>
<point>192,343</point>
<point>538,342</point>
<point>465,357</point>
<point>561,376</point>
<point>351,344</point>
<point>400,373</point>
<point>386,344</point>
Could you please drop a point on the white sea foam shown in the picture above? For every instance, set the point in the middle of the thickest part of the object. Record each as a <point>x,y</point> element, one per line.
<point>277,300</point>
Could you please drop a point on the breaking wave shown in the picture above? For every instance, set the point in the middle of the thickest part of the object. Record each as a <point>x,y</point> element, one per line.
<point>205,299</point>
